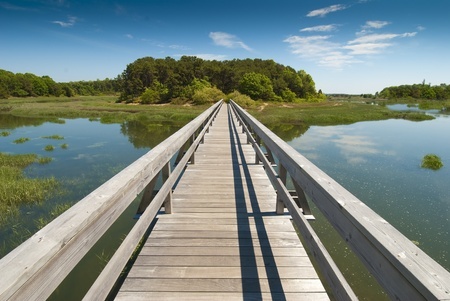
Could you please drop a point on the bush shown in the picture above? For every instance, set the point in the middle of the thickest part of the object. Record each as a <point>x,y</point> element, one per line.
<point>432,161</point>
<point>207,95</point>
<point>243,100</point>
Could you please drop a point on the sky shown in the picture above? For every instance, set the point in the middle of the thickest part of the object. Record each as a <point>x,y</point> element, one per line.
<point>348,46</point>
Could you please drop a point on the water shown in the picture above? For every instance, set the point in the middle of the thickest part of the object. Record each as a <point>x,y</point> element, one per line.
<point>95,152</point>
<point>379,162</point>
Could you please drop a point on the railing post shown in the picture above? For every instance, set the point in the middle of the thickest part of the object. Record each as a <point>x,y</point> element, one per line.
<point>147,196</point>
<point>168,201</point>
<point>258,143</point>
<point>192,158</point>
<point>282,174</point>
<point>301,197</point>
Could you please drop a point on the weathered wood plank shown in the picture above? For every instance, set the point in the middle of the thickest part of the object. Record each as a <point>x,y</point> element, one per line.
<point>219,296</point>
<point>224,234</point>
<point>222,261</point>
<point>222,285</point>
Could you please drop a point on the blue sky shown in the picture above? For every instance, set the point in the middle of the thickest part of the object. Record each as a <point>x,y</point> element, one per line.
<point>348,46</point>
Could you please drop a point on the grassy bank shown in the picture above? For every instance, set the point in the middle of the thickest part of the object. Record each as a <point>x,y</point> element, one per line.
<point>107,110</point>
<point>328,113</point>
<point>103,108</point>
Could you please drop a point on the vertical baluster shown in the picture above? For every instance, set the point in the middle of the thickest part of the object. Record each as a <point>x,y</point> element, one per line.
<point>282,174</point>
<point>168,201</point>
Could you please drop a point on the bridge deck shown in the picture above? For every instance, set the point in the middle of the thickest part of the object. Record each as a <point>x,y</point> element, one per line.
<point>224,240</point>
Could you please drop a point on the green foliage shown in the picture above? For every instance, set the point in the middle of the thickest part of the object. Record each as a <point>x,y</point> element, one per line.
<point>21,140</point>
<point>64,146</point>
<point>55,137</point>
<point>257,86</point>
<point>417,91</point>
<point>154,94</point>
<point>45,160</point>
<point>16,189</point>
<point>432,161</point>
<point>207,96</point>
<point>49,148</point>
<point>241,99</point>
<point>30,85</point>
<point>5,134</point>
<point>190,74</point>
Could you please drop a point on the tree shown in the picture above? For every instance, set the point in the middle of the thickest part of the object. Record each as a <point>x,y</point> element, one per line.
<point>257,86</point>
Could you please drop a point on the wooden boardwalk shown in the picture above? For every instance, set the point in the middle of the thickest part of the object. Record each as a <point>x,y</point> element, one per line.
<point>224,240</point>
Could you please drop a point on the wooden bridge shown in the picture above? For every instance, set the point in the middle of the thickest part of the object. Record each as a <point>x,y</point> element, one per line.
<point>223,226</point>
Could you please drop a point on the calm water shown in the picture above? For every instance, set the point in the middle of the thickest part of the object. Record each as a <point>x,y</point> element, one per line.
<point>379,162</point>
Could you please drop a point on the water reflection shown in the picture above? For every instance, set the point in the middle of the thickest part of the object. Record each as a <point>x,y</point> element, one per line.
<point>379,162</point>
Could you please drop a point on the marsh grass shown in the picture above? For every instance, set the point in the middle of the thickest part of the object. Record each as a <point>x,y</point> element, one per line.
<point>54,137</point>
<point>44,160</point>
<point>5,134</point>
<point>56,211</point>
<point>432,161</point>
<point>16,189</point>
<point>64,146</point>
<point>21,140</point>
<point>49,148</point>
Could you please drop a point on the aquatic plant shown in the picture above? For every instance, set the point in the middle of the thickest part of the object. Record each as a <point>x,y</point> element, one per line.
<point>432,161</point>
<point>45,160</point>
<point>5,134</point>
<point>49,148</point>
<point>55,137</point>
<point>64,146</point>
<point>21,140</point>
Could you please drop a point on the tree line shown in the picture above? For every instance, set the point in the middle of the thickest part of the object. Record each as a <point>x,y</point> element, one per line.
<point>189,79</point>
<point>417,91</point>
<point>151,80</point>
<point>30,85</point>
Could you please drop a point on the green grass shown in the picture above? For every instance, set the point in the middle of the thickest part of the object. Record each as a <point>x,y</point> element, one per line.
<point>45,160</point>
<point>432,161</point>
<point>54,137</point>
<point>49,148</point>
<point>21,140</point>
<point>16,189</point>
<point>64,146</point>
<point>5,134</point>
<point>327,113</point>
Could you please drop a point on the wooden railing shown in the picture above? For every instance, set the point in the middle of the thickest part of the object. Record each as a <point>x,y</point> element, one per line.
<point>33,270</point>
<point>404,271</point>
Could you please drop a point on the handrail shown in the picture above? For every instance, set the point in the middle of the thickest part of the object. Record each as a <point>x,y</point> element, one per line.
<point>405,271</point>
<point>41,263</point>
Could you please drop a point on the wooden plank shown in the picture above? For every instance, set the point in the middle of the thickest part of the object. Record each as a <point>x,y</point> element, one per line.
<point>221,285</point>
<point>297,251</point>
<point>224,235</point>
<point>219,296</point>
<point>222,261</point>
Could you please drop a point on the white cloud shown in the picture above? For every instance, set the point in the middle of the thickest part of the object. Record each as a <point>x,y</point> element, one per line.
<point>70,22</point>
<point>321,50</point>
<point>227,40</point>
<point>129,36</point>
<point>324,11</point>
<point>367,48</point>
<point>420,28</point>
<point>376,24</point>
<point>320,28</point>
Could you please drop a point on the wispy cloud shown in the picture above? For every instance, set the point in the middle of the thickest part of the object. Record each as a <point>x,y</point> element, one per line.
<point>420,28</point>
<point>320,49</point>
<point>322,12</point>
<point>129,36</point>
<point>227,40</point>
<point>69,23</point>
<point>320,28</point>
<point>326,51</point>
<point>211,57</point>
